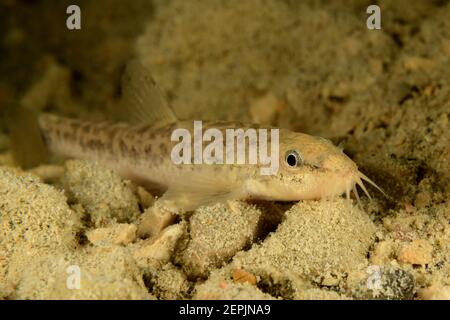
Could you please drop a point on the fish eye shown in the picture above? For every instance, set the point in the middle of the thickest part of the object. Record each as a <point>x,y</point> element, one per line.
<point>293,158</point>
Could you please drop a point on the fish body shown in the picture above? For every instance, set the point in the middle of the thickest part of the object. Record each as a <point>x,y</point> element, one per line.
<point>141,149</point>
<point>142,153</point>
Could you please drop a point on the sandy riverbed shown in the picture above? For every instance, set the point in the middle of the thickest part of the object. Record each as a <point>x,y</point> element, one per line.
<point>311,66</point>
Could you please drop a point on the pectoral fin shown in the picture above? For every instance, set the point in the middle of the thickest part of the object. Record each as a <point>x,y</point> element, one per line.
<point>202,189</point>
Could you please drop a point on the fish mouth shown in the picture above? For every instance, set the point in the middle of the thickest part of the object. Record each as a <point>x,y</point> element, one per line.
<point>358,179</point>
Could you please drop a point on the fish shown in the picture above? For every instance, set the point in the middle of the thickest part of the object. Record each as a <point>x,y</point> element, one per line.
<point>139,149</point>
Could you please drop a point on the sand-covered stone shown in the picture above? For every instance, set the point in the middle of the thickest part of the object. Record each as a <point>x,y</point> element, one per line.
<point>390,283</point>
<point>417,252</point>
<point>34,220</point>
<point>101,191</point>
<point>109,273</point>
<point>316,240</point>
<point>170,283</point>
<point>216,233</point>
<point>104,273</point>
<point>225,283</point>
<point>383,252</point>
<point>317,244</point>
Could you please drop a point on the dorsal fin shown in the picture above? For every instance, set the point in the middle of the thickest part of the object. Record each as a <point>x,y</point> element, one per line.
<point>142,100</point>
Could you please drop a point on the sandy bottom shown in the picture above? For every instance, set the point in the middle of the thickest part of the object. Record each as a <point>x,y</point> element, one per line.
<point>72,229</point>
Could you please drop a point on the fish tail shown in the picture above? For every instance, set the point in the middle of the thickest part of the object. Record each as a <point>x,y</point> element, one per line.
<point>27,142</point>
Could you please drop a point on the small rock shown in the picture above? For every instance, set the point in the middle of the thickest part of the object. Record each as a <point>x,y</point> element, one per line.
<point>146,199</point>
<point>157,251</point>
<point>242,276</point>
<point>416,63</point>
<point>313,242</point>
<point>118,234</point>
<point>383,252</point>
<point>330,281</point>
<point>418,252</point>
<point>170,283</point>
<point>386,283</point>
<point>154,220</point>
<point>106,273</point>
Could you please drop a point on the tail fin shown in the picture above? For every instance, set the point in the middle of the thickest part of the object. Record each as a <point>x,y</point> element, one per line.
<point>27,143</point>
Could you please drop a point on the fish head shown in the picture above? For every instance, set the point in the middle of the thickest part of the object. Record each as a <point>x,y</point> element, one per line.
<point>313,168</point>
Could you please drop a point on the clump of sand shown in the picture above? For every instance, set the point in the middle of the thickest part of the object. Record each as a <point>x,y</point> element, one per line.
<point>35,220</point>
<point>216,234</point>
<point>40,240</point>
<point>106,273</point>
<point>317,242</point>
<point>101,192</point>
<point>170,283</point>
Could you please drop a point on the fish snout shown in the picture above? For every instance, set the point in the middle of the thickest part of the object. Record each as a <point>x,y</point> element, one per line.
<point>340,163</point>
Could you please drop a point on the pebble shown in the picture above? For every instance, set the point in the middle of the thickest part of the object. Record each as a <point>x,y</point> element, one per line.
<point>417,252</point>
<point>118,234</point>
<point>386,283</point>
<point>157,251</point>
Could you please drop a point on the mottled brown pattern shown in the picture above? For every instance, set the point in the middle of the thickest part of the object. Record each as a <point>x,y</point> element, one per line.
<point>147,149</point>
<point>115,142</point>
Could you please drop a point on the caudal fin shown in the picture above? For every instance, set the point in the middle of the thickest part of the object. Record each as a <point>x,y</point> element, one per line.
<point>27,143</point>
